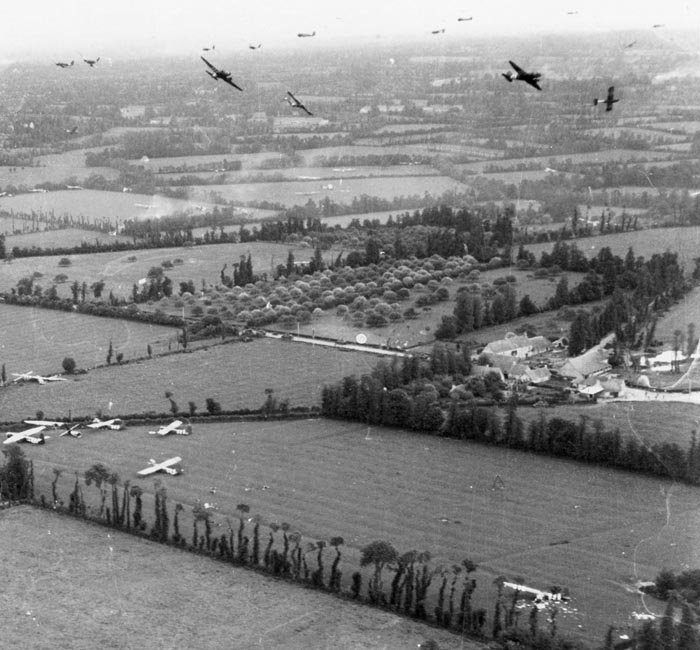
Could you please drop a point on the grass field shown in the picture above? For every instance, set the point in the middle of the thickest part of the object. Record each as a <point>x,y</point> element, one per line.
<point>70,584</point>
<point>235,374</point>
<point>95,205</point>
<point>683,241</point>
<point>64,238</point>
<point>200,263</point>
<point>592,530</point>
<point>39,339</point>
<point>299,192</point>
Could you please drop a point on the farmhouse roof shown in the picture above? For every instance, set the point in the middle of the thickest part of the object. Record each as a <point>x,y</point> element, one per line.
<point>509,365</point>
<point>578,368</point>
<point>538,375</point>
<point>506,345</point>
<point>481,371</point>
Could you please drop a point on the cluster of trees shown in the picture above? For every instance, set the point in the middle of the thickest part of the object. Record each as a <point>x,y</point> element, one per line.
<point>671,632</point>
<point>16,475</point>
<point>685,585</point>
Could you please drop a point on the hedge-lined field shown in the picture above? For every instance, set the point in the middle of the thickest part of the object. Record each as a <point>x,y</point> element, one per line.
<point>594,531</point>
<point>235,374</point>
<point>86,587</point>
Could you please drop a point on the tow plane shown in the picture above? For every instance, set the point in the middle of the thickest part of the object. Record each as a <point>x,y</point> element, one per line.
<point>295,103</point>
<point>255,47</point>
<point>176,426</point>
<point>609,100</point>
<point>306,34</point>
<point>64,65</point>
<point>531,78</point>
<point>28,435</point>
<point>91,62</point>
<point>218,73</point>
<point>462,20</point>
<point>31,376</point>
<point>170,466</point>
<point>115,424</point>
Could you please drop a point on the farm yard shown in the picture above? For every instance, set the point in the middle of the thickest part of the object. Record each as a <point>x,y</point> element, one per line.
<point>39,339</point>
<point>591,530</point>
<point>235,374</point>
<point>153,589</point>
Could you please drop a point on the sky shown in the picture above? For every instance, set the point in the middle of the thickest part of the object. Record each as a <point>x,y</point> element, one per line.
<point>70,28</point>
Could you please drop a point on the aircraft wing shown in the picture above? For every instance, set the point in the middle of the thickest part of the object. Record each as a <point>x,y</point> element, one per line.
<point>228,80</point>
<point>15,436</point>
<point>611,93</point>
<point>171,427</point>
<point>149,470</point>
<point>213,67</point>
<point>517,68</point>
<point>532,82</point>
<point>45,423</point>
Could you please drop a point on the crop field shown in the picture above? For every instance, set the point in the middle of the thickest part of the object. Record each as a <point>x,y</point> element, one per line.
<point>66,173</point>
<point>39,339</point>
<point>234,374</point>
<point>679,316</point>
<point>683,241</point>
<point>591,530</point>
<point>199,263</point>
<point>94,205</point>
<point>299,192</point>
<point>63,238</point>
<point>353,150</point>
<point>110,589</point>
<point>248,160</point>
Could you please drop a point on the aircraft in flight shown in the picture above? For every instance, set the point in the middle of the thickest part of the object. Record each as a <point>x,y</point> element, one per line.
<point>28,435</point>
<point>72,131</point>
<point>169,466</point>
<point>531,78</point>
<point>91,62</point>
<point>208,49</point>
<point>255,47</point>
<point>630,44</point>
<point>218,73</point>
<point>609,100</point>
<point>115,424</point>
<point>295,103</point>
<point>62,64</point>
<point>30,376</point>
<point>306,34</point>
<point>438,31</point>
<point>461,20</point>
<point>176,426</point>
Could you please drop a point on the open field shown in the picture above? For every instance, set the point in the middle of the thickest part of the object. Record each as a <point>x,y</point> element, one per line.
<point>95,205</point>
<point>84,587</point>
<point>592,530</point>
<point>291,193</point>
<point>39,339</point>
<point>61,173</point>
<point>678,317</point>
<point>235,374</point>
<point>647,422</point>
<point>199,264</point>
<point>683,241</point>
<point>63,238</point>
<point>313,173</point>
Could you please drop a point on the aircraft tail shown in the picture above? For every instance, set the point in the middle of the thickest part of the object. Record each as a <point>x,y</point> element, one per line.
<point>508,76</point>
<point>596,102</point>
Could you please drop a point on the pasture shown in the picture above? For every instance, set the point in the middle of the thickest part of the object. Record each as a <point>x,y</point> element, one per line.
<point>85,587</point>
<point>72,174</point>
<point>290,193</point>
<point>199,264</point>
<point>645,243</point>
<point>592,530</point>
<point>234,374</point>
<point>63,238</point>
<point>39,339</point>
<point>95,205</point>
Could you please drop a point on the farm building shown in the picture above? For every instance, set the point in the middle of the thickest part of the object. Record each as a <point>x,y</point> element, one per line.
<point>593,362</point>
<point>537,375</point>
<point>509,366</point>
<point>518,346</point>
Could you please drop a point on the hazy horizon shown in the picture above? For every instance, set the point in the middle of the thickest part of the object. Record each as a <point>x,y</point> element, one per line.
<point>76,28</point>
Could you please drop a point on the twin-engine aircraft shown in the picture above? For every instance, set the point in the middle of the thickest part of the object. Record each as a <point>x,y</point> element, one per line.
<point>30,376</point>
<point>28,435</point>
<point>115,424</point>
<point>176,426</point>
<point>609,100</point>
<point>169,466</point>
<point>306,34</point>
<point>531,78</point>
<point>63,64</point>
<point>218,73</point>
<point>91,62</point>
